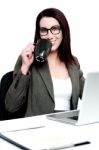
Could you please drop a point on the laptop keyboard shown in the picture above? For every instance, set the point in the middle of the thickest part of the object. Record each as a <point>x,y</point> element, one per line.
<point>74,117</point>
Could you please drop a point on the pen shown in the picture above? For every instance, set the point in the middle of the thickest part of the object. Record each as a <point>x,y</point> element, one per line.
<point>13,142</point>
<point>69,145</point>
<point>82,143</point>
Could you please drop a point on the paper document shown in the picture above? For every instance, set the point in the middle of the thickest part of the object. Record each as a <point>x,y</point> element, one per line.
<point>22,123</point>
<point>42,138</point>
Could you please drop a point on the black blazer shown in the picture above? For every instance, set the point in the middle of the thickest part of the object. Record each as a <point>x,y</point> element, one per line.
<point>5,83</point>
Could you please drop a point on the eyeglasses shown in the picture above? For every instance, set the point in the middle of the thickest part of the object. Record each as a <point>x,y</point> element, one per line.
<point>54,30</point>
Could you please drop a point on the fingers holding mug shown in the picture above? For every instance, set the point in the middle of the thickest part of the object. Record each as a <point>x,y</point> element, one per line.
<point>27,57</point>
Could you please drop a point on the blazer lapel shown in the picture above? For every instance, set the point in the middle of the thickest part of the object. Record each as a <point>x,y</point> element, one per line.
<point>74,75</point>
<point>45,74</point>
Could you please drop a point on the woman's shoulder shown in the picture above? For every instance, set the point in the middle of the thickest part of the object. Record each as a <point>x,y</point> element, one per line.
<point>77,64</point>
<point>76,61</point>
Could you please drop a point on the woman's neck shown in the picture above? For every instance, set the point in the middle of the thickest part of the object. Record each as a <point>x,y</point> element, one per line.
<point>57,68</point>
<point>53,59</point>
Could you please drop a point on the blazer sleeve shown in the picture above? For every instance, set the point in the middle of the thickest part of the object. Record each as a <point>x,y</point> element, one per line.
<point>81,78</point>
<point>17,93</point>
<point>81,82</point>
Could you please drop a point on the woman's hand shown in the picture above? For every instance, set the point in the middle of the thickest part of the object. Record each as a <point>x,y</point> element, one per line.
<point>27,58</point>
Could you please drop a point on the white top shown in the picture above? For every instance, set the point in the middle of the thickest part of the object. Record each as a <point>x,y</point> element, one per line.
<point>62,93</point>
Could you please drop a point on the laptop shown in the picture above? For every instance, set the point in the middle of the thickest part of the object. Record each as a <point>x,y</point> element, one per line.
<point>89,110</point>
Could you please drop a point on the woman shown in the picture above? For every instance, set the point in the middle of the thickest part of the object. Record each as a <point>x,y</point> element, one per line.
<point>57,84</point>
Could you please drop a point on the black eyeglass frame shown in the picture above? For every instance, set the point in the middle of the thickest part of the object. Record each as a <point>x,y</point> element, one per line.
<point>51,30</point>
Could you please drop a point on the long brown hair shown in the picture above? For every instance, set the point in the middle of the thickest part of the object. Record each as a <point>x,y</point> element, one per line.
<point>64,50</point>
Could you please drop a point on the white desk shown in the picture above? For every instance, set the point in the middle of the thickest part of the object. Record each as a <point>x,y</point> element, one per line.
<point>52,132</point>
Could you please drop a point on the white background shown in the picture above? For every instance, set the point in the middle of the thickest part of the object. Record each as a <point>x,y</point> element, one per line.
<point>17,26</point>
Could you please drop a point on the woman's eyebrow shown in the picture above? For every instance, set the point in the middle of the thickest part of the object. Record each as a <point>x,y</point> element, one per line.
<point>51,26</point>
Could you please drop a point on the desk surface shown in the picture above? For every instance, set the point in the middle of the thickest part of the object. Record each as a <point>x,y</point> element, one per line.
<point>50,134</point>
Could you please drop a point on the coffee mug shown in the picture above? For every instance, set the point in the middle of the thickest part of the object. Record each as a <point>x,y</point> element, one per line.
<point>42,50</point>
